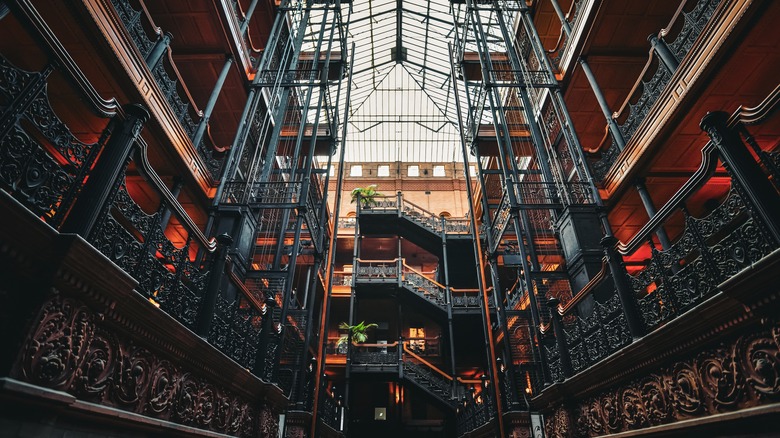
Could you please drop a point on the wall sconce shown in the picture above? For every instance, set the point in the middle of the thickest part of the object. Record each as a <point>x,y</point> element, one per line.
<point>501,365</point>
<point>484,380</point>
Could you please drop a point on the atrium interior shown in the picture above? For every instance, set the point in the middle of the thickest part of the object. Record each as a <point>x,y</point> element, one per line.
<point>432,218</point>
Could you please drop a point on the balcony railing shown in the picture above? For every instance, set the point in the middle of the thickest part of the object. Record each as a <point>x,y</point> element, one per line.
<point>397,271</point>
<point>556,53</point>
<point>169,80</point>
<point>733,234</point>
<point>79,186</point>
<point>689,21</point>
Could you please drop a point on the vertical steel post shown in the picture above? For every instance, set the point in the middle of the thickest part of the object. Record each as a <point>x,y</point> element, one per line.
<point>204,121</point>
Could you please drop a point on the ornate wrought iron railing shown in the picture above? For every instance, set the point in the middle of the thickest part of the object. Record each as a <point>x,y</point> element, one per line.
<point>424,286</point>
<point>379,354</point>
<point>377,269</point>
<point>42,163</point>
<point>263,194</point>
<point>474,410</point>
<point>556,53</point>
<point>734,232</point>
<point>169,80</point>
<point>328,410</point>
<point>468,298</point>
<point>500,222</point>
<point>654,77</point>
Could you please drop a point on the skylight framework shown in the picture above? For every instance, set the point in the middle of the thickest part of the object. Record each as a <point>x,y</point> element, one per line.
<point>402,106</point>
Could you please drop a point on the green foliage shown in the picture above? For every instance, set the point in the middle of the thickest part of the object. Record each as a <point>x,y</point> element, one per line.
<point>358,332</point>
<point>367,195</point>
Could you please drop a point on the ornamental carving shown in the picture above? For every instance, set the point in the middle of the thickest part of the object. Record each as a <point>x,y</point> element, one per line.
<point>71,350</point>
<point>730,376</point>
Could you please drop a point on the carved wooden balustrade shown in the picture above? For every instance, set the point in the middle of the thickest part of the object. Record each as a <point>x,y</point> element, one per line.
<point>687,23</point>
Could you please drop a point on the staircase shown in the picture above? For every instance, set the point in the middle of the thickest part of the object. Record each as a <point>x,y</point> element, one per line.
<point>425,288</point>
<point>431,380</point>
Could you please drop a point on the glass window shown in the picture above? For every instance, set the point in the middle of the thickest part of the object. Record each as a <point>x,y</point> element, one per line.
<point>383,170</point>
<point>472,171</point>
<point>439,171</point>
<point>413,171</point>
<point>356,170</point>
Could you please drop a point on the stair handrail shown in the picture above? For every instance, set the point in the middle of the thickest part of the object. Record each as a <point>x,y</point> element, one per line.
<point>377,260</point>
<point>425,362</point>
<point>415,271</point>
<point>435,368</point>
<point>417,207</point>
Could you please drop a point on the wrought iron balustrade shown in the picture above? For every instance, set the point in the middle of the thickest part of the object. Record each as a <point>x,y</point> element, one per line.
<point>377,269</point>
<point>328,410</point>
<point>238,14</point>
<point>468,298</point>
<point>457,226</point>
<point>500,222</point>
<point>654,77</point>
<point>556,53</point>
<point>42,163</point>
<point>381,204</point>
<point>710,250</point>
<point>263,194</point>
<point>474,410</point>
<point>427,288</point>
<point>169,81</point>
<point>379,354</point>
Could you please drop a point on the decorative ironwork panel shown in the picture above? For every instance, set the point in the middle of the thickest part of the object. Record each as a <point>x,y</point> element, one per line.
<point>164,272</point>
<point>235,330</point>
<point>426,288</point>
<point>500,222</point>
<point>710,250</point>
<point>42,164</point>
<point>132,21</point>
<point>694,24</point>
<point>262,194</point>
<point>651,91</point>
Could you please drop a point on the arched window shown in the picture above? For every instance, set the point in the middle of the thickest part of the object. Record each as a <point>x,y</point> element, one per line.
<point>445,214</point>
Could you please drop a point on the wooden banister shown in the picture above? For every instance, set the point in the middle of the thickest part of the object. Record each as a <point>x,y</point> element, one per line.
<point>423,275</point>
<point>426,363</point>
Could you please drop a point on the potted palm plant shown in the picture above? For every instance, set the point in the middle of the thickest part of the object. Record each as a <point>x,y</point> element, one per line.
<point>367,195</point>
<point>358,331</point>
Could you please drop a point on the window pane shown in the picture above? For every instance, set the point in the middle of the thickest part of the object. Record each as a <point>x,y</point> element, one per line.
<point>383,170</point>
<point>413,171</point>
<point>356,170</point>
<point>438,171</point>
